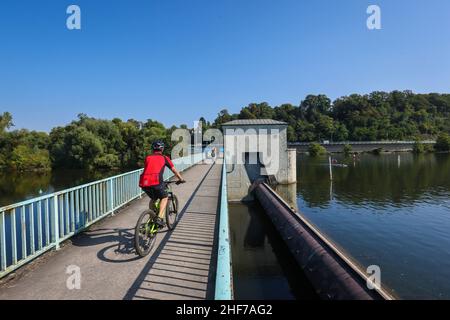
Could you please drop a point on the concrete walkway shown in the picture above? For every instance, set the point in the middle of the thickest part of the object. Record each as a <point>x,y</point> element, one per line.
<point>181,265</point>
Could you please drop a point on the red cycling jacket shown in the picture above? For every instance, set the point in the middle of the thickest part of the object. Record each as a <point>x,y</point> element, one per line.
<point>154,170</point>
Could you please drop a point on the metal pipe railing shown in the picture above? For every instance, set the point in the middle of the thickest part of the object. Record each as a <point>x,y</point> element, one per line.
<point>30,228</point>
<point>223,290</point>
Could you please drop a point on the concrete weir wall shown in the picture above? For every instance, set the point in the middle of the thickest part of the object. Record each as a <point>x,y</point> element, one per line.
<point>331,273</point>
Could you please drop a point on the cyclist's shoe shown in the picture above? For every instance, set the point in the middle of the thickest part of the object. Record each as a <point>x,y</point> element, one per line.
<point>180,182</point>
<point>160,223</point>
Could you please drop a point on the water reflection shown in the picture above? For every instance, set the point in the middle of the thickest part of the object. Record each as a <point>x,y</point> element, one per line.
<point>289,194</point>
<point>263,267</point>
<point>16,187</point>
<point>389,210</point>
<point>255,237</point>
<point>375,180</point>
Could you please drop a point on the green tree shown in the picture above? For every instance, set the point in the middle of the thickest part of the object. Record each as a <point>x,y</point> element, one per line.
<point>223,117</point>
<point>305,131</point>
<point>314,106</point>
<point>74,146</point>
<point>257,111</point>
<point>340,132</point>
<point>324,127</point>
<point>5,121</point>
<point>131,149</point>
<point>205,124</point>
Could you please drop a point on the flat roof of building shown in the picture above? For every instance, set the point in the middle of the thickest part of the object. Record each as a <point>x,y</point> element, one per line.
<point>253,122</point>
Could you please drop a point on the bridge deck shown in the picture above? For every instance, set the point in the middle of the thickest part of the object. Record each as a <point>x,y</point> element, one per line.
<point>181,265</point>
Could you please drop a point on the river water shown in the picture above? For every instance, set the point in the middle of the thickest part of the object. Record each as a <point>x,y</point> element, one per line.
<point>16,187</point>
<point>390,210</point>
<point>263,267</point>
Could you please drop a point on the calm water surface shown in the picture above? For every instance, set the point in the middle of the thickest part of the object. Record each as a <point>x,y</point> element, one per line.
<point>16,187</point>
<point>389,210</point>
<point>263,267</point>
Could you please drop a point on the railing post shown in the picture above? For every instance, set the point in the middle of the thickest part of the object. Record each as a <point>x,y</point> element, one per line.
<point>2,242</point>
<point>111,193</point>
<point>137,186</point>
<point>56,221</point>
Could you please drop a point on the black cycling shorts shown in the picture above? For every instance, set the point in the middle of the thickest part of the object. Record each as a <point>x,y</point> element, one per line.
<point>157,192</point>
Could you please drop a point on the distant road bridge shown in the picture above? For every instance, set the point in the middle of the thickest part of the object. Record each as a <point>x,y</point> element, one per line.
<point>363,146</point>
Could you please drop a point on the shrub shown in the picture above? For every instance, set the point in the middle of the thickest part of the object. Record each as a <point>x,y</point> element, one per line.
<point>429,148</point>
<point>377,151</point>
<point>347,149</point>
<point>316,149</point>
<point>418,147</point>
<point>443,142</point>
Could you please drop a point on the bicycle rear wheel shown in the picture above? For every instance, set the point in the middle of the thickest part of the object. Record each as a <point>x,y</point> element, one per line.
<point>144,238</point>
<point>172,212</point>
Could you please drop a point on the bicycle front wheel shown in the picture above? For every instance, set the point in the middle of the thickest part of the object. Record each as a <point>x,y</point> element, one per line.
<point>172,212</point>
<point>145,233</point>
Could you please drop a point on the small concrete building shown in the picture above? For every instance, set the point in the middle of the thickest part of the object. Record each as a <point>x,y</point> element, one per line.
<point>256,149</point>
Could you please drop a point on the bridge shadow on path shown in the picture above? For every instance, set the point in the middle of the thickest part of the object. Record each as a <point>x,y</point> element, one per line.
<point>184,263</point>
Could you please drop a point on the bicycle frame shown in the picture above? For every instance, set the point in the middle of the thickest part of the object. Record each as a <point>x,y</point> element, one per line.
<point>156,207</point>
<point>157,203</point>
<point>147,230</point>
<point>153,227</point>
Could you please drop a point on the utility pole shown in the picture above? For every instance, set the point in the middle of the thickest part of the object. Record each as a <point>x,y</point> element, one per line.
<point>331,170</point>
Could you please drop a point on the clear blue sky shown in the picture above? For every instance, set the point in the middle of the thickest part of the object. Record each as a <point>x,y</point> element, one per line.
<point>177,60</point>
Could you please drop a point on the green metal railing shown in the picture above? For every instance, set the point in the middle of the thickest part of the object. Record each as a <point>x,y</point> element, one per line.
<point>32,227</point>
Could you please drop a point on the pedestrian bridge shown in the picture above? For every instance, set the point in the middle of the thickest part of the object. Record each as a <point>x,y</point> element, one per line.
<point>92,229</point>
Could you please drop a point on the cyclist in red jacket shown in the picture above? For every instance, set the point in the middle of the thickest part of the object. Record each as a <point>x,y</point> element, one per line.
<point>152,181</point>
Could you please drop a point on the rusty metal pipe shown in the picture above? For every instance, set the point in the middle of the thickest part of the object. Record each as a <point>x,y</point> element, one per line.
<point>331,274</point>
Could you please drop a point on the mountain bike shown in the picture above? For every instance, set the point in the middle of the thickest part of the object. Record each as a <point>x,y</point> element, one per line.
<point>146,228</point>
